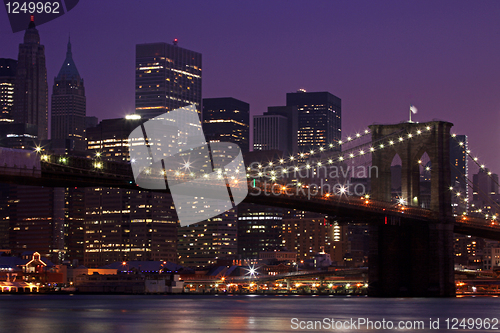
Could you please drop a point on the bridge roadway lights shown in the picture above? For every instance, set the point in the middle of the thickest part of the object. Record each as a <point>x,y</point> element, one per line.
<point>408,257</point>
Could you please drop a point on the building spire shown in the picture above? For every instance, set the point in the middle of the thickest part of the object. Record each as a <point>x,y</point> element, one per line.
<point>32,22</point>
<point>68,68</point>
<point>69,54</point>
<point>31,34</point>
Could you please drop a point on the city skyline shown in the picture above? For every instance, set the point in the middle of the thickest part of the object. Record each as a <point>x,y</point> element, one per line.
<point>380,58</point>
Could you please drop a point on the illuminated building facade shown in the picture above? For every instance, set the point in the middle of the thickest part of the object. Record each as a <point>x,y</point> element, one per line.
<point>340,243</point>
<point>167,77</point>
<point>202,244</point>
<point>32,226</point>
<point>68,107</point>
<point>31,89</point>
<point>8,68</point>
<point>307,234</point>
<point>259,230</point>
<point>459,174</point>
<point>491,258</point>
<point>319,118</point>
<point>47,220</point>
<point>18,136</point>
<point>109,138</point>
<point>468,250</point>
<point>120,224</point>
<point>126,225</point>
<point>227,120</point>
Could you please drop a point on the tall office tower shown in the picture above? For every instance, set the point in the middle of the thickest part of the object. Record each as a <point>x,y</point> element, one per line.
<point>485,185</point>
<point>31,103</point>
<point>269,132</point>
<point>32,224</point>
<point>74,222</point>
<point>68,106</point>
<point>292,115</point>
<point>201,244</point>
<point>4,216</point>
<point>319,118</point>
<point>259,230</point>
<point>122,224</point>
<point>47,220</point>
<point>276,129</point>
<point>8,68</point>
<point>227,120</point>
<point>125,225</point>
<point>459,173</point>
<point>467,249</point>
<point>167,77</point>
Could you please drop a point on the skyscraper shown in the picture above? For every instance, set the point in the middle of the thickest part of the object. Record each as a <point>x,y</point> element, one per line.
<point>32,223</point>
<point>8,68</point>
<point>227,120</point>
<point>459,173</point>
<point>31,89</point>
<point>269,132</point>
<point>121,224</point>
<point>276,129</point>
<point>68,106</point>
<point>167,77</point>
<point>259,230</point>
<point>319,118</point>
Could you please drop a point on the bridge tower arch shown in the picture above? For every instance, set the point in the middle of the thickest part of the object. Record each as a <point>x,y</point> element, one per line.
<point>409,257</point>
<point>435,142</point>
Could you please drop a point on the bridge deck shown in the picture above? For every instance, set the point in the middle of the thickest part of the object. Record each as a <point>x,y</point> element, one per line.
<point>64,171</point>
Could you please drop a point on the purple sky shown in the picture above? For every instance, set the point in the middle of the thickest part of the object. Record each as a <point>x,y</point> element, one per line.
<point>377,56</point>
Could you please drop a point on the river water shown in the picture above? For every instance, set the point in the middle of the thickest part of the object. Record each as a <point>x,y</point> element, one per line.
<point>147,313</point>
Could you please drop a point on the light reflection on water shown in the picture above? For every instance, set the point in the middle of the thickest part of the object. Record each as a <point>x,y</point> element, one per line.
<point>190,314</point>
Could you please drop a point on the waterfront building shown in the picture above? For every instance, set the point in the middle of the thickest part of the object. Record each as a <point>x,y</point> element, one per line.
<point>202,244</point>
<point>259,230</point>
<point>123,224</point>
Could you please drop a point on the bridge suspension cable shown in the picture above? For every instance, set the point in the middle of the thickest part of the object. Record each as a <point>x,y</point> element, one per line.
<point>258,167</point>
<point>483,195</point>
<point>476,160</point>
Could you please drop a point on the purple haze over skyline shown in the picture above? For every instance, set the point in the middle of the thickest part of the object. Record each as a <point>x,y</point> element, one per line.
<point>378,57</point>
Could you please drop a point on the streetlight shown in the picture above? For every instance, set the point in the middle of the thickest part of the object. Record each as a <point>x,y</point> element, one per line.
<point>252,271</point>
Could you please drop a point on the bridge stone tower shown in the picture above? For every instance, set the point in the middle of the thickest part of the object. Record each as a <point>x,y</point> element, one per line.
<point>410,257</point>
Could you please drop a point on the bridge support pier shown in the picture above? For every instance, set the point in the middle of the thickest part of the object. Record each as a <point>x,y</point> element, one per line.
<point>411,259</point>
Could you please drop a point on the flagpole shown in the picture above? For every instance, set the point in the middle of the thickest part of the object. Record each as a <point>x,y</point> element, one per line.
<point>413,109</point>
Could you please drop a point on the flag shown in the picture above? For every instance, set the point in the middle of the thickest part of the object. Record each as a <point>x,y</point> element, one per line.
<point>413,109</point>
